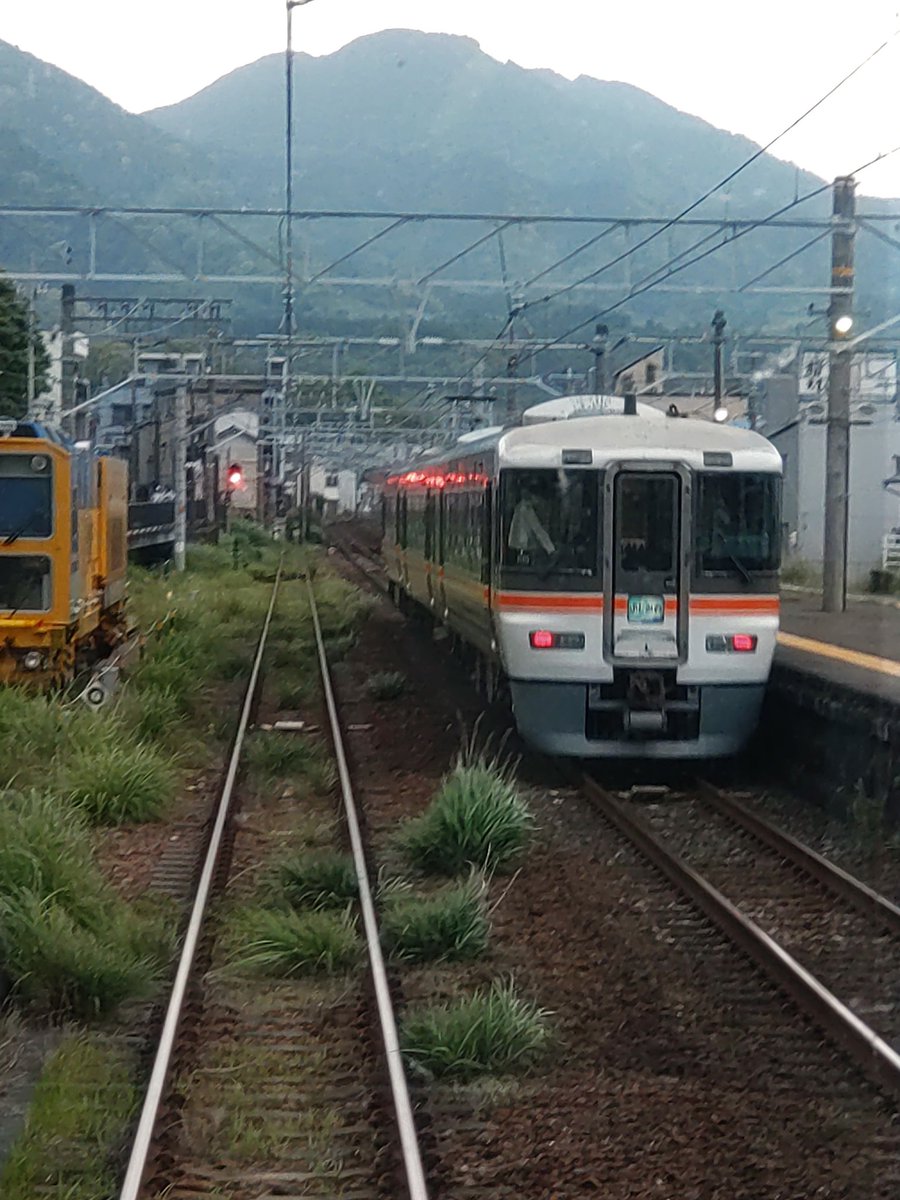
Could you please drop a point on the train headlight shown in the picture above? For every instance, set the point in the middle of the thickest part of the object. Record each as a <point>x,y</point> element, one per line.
<point>33,660</point>
<point>40,462</point>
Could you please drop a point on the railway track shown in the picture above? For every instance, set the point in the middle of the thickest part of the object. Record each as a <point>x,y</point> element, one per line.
<point>324,1107</point>
<point>827,949</point>
<point>824,937</point>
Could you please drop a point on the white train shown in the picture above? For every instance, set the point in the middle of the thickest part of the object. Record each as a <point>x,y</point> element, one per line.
<point>619,570</point>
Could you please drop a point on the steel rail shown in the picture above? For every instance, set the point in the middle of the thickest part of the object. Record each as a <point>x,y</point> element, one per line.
<point>412,1158</point>
<point>140,1149</point>
<point>879,1061</point>
<point>863,898</point>
<point>351,555</point>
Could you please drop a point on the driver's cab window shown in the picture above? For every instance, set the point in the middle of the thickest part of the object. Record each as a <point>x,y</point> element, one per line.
<point>549,521</point>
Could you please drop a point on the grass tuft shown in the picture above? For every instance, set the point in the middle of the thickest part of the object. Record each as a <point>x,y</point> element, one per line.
<point>477,819</point>
<point>387,685</point>
<point>114,782</point>
<point>318,880</point>
<point>81,1107</point>
<point>274,755</point>
<point>448,927</point>
<point>63,966</point>
<point>156,713</point>
<point>67,945</point>
<point>492,1031</point>
<point>288,944</point>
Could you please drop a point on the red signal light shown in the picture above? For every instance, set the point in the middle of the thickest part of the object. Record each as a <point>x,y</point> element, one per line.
<point>235,477</point>
<point>743,643</point>
<point>541,639</point>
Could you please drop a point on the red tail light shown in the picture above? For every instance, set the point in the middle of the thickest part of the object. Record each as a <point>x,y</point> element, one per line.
<point>743,643</point>
<point>541,639</point>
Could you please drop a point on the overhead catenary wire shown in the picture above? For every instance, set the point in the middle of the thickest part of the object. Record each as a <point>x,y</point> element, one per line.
<point>695,204</point>
<point>727,241</point>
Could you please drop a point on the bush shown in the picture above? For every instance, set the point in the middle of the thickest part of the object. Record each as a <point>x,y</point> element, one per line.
<point>476,819</point>
<point>114,783</point>
<point>386,685</point>
<point>491,1031</point>
<point>449,926</point>
<point>287,944</point>
<point>318,880</point>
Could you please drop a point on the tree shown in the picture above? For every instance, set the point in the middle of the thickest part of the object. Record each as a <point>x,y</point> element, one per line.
<point>16,328</point>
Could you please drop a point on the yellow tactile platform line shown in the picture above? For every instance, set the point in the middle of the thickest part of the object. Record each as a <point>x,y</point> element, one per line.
<point>853,658</point>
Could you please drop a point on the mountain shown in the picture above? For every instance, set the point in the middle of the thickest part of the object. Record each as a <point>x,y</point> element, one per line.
<point>402,119</point>
<point>409,121</point>
<point>88,146</point>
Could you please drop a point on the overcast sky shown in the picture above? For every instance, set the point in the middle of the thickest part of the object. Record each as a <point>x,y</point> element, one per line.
<point>750,67</point>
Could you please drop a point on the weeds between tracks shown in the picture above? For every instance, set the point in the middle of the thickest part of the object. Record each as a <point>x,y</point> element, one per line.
<point>70,946</point>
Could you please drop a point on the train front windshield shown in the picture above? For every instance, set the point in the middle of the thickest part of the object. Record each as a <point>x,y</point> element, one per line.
<point>549,522</point>
<point>738,523</point>
<point>26,496</point>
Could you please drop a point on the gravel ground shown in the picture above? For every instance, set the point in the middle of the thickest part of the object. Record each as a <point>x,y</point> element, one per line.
<point>678,1071</point>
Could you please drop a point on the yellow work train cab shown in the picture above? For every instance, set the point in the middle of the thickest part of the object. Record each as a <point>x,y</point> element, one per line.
<point>63,554</point>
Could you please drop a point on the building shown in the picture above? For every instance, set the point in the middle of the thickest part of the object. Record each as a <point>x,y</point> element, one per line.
<point>794,418</point>
<point>235,444</point>
<point>333,491</point>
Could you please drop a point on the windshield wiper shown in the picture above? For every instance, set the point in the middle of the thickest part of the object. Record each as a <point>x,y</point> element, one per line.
<point>23,528</point>
<point>740,568</point>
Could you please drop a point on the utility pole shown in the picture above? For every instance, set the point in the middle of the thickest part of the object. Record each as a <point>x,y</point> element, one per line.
<point>512,369</point>
<point>599,351</point>
<point>719,412</point>
<point>180,472</point>
<point>837,445</point>
<point>32,334</point>
<point>66,358</point>
<point>718,324</point>
<point>277,432</point>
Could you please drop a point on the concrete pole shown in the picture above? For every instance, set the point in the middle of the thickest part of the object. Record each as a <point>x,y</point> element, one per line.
<point>837,446</point>
<point>67,361</point>
<point>180,471</point>
<point>599,352</point>
<point>512,370</point>
<point>718,324</point>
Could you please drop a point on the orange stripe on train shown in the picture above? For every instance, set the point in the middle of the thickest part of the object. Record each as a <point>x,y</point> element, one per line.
<point>730,605</point>
<point>592,603</point>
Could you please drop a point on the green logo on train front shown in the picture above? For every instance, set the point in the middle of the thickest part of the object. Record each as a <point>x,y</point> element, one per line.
<point>646,610</point>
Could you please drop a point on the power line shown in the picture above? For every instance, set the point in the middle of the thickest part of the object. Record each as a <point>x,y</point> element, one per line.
<point>722,183</point>
<point>639,291</point>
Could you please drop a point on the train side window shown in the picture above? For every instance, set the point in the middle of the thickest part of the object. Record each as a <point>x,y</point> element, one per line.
<point>486,533</point>
<point>430,507</point>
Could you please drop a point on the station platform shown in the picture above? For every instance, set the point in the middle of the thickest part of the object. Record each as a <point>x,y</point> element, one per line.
<point>831,717</point>
<point>857,649</point>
